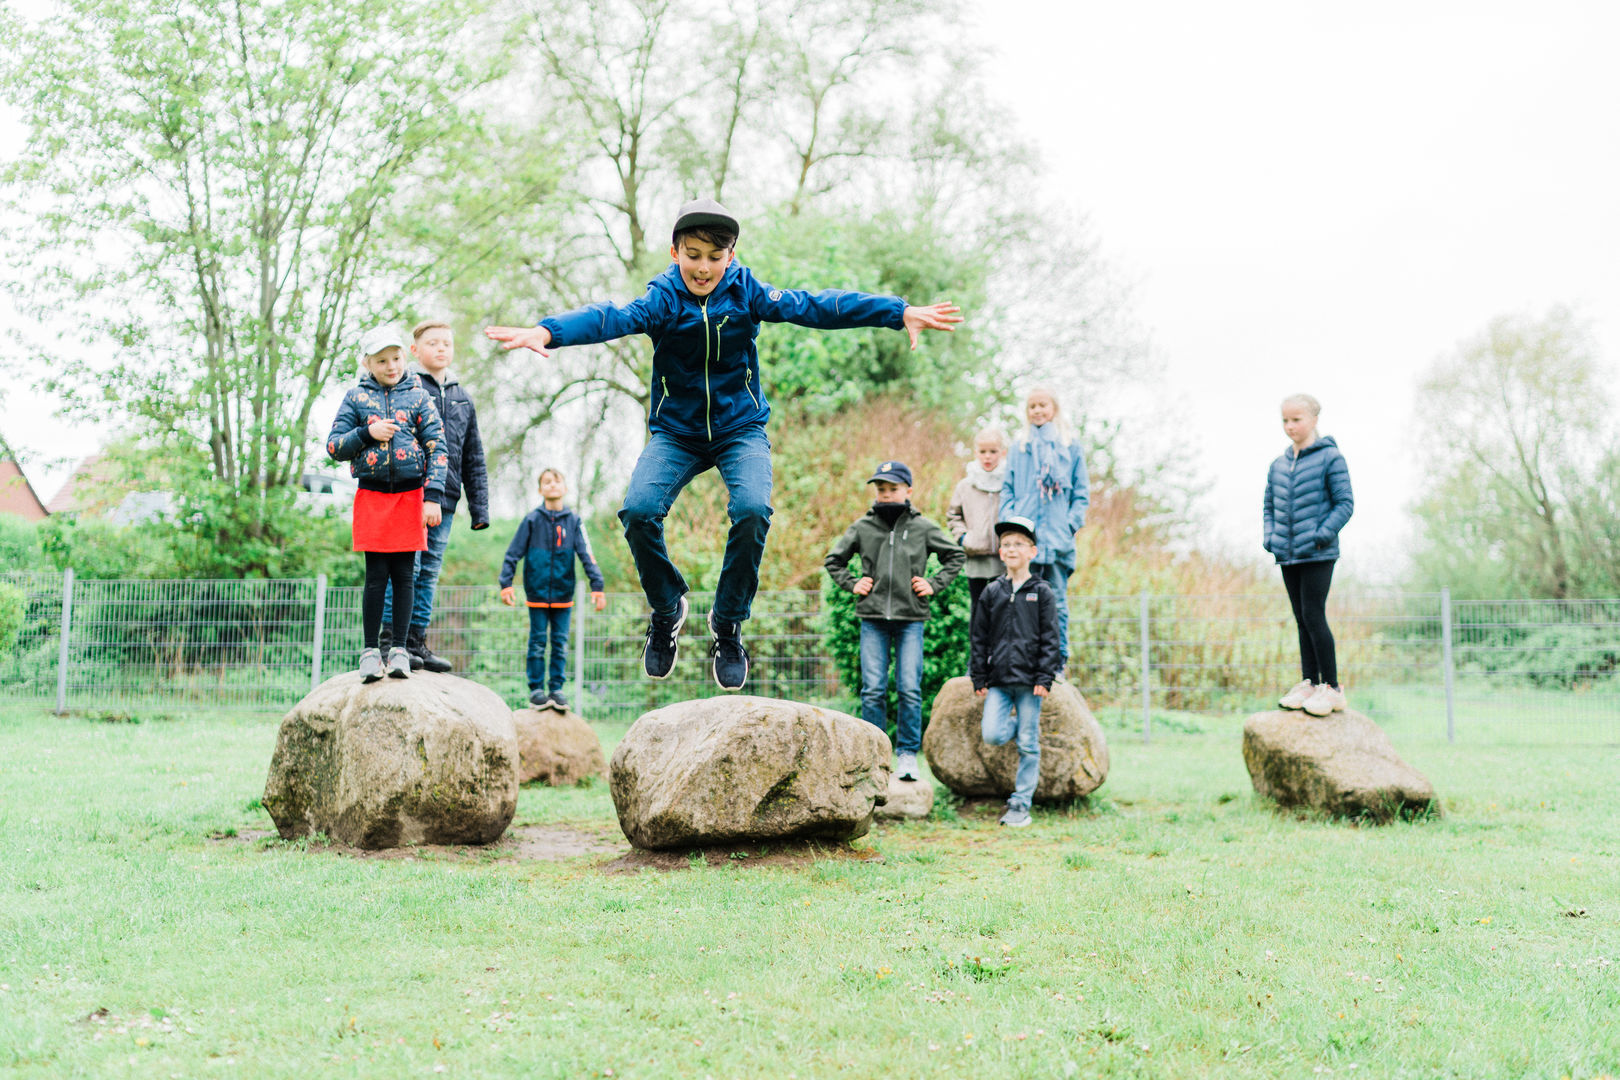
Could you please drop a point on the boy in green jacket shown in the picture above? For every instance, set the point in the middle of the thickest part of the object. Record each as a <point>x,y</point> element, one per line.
<point>894,542</point>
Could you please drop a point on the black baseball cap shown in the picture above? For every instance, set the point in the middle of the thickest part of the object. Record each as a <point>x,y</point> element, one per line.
<point>1021,525</point>
<point>704,212</point>
<point>894,472</point>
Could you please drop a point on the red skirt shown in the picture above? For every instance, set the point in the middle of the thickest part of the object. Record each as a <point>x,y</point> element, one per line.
<point>384,522</point>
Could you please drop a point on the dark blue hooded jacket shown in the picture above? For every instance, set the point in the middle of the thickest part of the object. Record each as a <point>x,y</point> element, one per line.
<point>705,377</point>
<point>548,541</point>
<point>1308,501</point>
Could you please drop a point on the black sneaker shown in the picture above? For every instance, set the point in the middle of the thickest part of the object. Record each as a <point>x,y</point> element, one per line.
<point>421,655</point>
<point>727,652</point>
<point>663,641</point>
<point>539,699</point>
<point>557,701</point>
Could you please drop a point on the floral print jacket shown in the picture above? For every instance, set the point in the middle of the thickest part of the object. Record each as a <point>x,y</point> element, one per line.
<point>415,452</point>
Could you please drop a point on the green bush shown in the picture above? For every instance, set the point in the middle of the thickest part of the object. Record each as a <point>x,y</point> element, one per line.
<point>945,640</point>
<point>12,606</point>
<point>19,544</point>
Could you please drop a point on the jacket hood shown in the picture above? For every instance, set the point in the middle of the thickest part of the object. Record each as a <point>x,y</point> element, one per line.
<point>448,380</point>
<point>1320,444</point>
<point>406,382</point>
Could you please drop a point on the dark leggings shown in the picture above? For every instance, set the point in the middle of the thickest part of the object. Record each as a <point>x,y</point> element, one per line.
<point>975,587</point>
<point>382,567</point>
<point>1308,585</point>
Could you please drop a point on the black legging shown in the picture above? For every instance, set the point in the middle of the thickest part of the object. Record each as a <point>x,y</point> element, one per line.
<point>975,587</point>
<point>382,567</point>
<point>1308,585</point>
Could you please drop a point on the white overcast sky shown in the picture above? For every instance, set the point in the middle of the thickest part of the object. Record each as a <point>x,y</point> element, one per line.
<point>1308,197</point>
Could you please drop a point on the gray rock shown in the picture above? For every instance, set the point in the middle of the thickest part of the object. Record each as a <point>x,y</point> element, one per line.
<point>1342,763</point>
<point>556,748</point>
<point>1074,754</point>
<point>427,760</point>
<point>727,769</point>
<point>910,800</point>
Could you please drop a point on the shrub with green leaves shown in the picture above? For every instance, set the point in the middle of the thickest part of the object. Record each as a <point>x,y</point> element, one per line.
<point>13,602</point>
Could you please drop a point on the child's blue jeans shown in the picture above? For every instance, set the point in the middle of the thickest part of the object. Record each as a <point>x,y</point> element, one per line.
<point>879,639</point>
<point>544,676</point>
<point>667,465</point>
<point>1015,712</point>
<point>1056,574</point>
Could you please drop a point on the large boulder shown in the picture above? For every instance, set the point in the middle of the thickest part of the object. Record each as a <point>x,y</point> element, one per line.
<point>736,768</point>
<point>556,748</point>
<point>909,800</point>
<point>427,760</point>
<point>1342,763</point>
<point>1074,754</point>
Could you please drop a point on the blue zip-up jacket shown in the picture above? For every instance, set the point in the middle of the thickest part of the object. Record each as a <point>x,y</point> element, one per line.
<point>415,453</point>
<point>705,377</point>
<point>548,541</point>
<point>1308,501</point>
<point>1057,515</point>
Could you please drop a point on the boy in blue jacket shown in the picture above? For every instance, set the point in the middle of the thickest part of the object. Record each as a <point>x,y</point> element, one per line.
<point>548,541</point>
<point>707,410</point>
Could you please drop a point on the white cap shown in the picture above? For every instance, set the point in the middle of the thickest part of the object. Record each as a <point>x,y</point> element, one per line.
<point>375,340</point>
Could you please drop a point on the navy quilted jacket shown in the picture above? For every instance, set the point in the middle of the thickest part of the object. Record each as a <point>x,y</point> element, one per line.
<point>415,453</point>
<point>1308,501</point>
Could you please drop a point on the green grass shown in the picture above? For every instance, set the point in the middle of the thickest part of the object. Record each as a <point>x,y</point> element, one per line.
<point>1176,927</point>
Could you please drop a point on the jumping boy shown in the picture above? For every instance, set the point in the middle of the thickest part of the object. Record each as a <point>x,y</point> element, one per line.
<point>1014,658</point>
<point>894,542</point>
<point>433,345</point>
<point>707,410</point>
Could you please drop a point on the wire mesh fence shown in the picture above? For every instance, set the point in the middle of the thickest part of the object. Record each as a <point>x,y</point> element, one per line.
<point>1154,663</point>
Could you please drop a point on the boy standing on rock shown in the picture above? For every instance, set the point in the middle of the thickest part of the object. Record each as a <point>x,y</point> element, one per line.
<point>894,542</point>
<point>1015,657</point>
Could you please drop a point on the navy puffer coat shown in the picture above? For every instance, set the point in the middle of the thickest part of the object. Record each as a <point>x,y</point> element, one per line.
<point>1308,501</point>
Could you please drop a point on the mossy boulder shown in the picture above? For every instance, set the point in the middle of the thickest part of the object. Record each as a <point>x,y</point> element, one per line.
<point>1074,753</point>
<point>1342,764</point>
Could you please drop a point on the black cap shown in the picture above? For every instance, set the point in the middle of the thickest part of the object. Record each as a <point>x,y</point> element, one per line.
<point>1021,525</point>
<point>704,212</point>
<point>894,472</point>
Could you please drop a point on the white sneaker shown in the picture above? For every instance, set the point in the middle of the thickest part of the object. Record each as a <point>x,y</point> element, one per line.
<point>906,767</point>
<point>1324,699</point>
<point>399,663</point>
<point>1296,698</point>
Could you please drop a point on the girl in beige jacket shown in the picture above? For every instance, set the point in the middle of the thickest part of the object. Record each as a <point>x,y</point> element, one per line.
<point>975,504</point>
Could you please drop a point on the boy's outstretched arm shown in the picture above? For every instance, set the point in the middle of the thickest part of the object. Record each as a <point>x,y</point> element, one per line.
<point>838,309</point>
<point>588,325</point>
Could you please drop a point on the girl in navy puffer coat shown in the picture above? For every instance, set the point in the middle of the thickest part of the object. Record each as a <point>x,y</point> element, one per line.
<point>1308,501</point>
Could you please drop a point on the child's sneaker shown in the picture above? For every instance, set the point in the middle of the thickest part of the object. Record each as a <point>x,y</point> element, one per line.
<point>1016,817</point>
<point>727,652</point>
<point>906,767</point>
<point>371,665</point>
<point>539,699</point>
<point>399,663</point>
<point>663,641</point>
<point>1325,699</point>
<point>1298,696</point>
<point>557,701</point>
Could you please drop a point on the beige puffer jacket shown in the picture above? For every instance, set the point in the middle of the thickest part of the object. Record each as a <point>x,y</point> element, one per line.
<point>972,521</point>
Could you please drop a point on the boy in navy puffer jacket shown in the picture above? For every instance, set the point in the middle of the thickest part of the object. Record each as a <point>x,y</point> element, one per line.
<point>548,541</point>
<point>708,411</point>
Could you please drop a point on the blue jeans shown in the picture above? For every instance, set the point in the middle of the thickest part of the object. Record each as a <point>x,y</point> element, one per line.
<point>1001,725</point>
<point>426,580</point>
<point>880,638</point>
<point>666,466</point>
<point>1056,574</point>
<point>543,676</point>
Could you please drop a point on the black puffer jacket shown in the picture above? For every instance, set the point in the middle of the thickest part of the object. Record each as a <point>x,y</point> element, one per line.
<point>1014,635</point>
<point>464,446</point>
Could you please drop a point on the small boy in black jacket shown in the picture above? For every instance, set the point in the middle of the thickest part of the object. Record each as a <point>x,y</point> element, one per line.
<point>547,541</point>
<point>1015,658</point>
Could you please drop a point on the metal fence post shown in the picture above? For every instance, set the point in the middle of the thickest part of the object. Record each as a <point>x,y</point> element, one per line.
<point>62,653</point>
<point>1445,661</point>
<point>582,603</point>
<point>320,632</point>
<point>1147,670</point>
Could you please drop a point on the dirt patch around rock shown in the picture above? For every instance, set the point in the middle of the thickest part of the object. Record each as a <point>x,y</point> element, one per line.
<point>777,853</point>
<point>522,843</point>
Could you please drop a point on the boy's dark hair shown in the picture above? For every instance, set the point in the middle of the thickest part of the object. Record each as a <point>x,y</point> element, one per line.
<point>721,238</point>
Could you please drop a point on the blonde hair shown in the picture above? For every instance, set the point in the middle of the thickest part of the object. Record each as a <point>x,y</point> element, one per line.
<point>990,434</point>
<point>429,324</point>
<point>1063,433</point>
<point>1305,400</point>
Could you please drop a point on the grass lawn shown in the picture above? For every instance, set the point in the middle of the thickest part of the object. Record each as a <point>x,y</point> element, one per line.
<point>1175,927</point>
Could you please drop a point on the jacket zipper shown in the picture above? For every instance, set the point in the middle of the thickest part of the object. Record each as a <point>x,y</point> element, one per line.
<point>748,379</point>
<point>663,399</point>
<point>388,408</point>
<point>1293,464</point>
<point>708,425</point>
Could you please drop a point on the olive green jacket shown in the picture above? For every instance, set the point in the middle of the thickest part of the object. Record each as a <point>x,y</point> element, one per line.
<point>891,558</point>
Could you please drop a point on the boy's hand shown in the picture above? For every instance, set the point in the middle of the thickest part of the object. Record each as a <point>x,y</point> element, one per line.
<point>933,317</point>
<point>863,586</point>
<point>1041,691</point>
<point>535,338</point>
<point>432,513</point>
<point>509,596</point>
<point>383,430</point>
<point>981,693</point>
<point>598,600</point>
<point>921,587</point>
